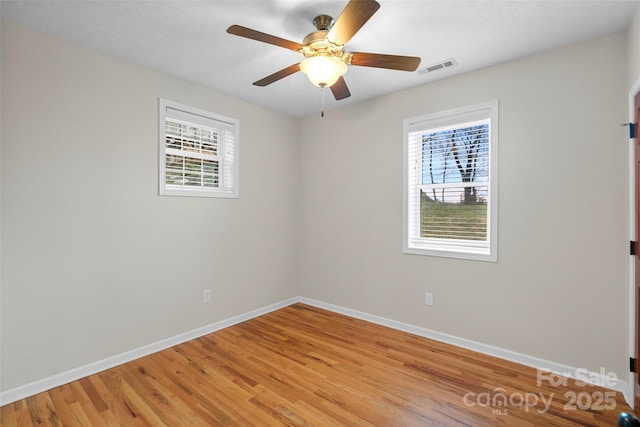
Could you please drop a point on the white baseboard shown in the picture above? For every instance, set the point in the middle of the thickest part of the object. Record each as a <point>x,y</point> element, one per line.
<point>544,365</point>
<point>53,381</point>
<point>48,383</point>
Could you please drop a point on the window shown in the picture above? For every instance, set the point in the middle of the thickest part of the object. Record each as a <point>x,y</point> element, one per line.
<point>450,183</point>
<point>198,152</point>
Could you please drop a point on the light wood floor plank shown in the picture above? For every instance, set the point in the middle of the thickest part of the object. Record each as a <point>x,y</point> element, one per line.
<point>303,366</point>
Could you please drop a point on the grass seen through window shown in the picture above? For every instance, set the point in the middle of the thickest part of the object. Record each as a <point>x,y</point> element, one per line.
<point>453,220</point>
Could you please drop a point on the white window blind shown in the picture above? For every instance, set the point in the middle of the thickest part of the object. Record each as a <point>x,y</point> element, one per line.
<point>198,152</point>
<point>449,191</point>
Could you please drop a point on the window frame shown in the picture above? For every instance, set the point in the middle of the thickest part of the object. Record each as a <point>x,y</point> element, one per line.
<point>451,248</point>
<point>228,159</point>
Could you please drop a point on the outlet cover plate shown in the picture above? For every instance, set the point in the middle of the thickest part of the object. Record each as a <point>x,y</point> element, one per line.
<point>428,298</point>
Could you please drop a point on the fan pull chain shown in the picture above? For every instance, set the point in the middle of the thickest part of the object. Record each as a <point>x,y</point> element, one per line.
<point>322,110</point>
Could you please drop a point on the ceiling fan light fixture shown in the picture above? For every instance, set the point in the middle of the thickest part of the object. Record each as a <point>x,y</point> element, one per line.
<point>323,70</point>
<point>326,60</point>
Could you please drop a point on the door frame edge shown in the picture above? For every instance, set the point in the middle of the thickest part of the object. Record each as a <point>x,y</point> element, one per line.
<point>629,396</point>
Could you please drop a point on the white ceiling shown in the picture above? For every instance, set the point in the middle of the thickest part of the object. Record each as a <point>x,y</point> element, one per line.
<point>188,39</point>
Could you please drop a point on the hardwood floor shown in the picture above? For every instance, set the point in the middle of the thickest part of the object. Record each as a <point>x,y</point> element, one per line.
<point>303,366</point>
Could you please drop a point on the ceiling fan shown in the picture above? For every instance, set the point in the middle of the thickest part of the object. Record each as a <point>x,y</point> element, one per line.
<point>325,58</point>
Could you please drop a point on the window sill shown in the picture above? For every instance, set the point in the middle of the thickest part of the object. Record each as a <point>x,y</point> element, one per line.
<point>475,254</point>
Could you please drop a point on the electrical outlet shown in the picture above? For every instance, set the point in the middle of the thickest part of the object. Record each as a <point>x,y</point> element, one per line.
<point>206,295</point>
<point>428,298</point>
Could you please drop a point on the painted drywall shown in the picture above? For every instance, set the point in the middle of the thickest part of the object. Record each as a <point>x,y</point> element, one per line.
<point>559,288</point>
<point>94,262</point>
<point>633,49</point>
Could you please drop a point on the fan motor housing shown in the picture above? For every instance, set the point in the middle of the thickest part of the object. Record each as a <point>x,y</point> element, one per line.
<point>316,37</point>
<point>317,43</point>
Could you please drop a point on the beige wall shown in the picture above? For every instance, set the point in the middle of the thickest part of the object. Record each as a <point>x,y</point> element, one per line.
<point>633,49</point>
<point>94,262</point>
<point>558,290</point>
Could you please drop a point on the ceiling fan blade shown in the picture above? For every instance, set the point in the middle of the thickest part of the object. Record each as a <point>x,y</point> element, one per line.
<point>263,37</point>
<point>340,89</point>
<point>392,62</point>
<point>352,18</point>
<point>278,75</point>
